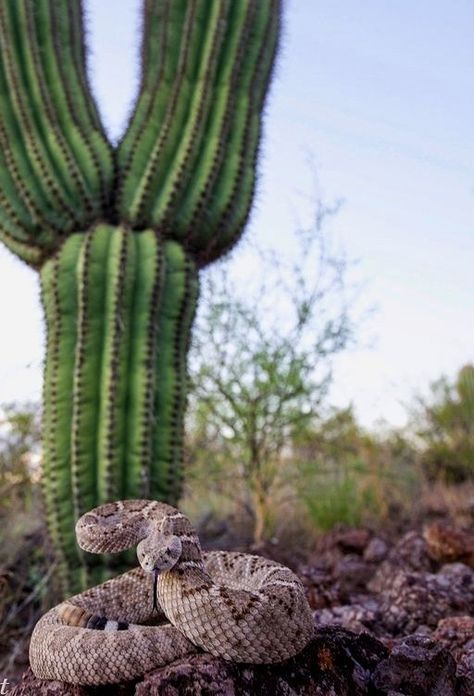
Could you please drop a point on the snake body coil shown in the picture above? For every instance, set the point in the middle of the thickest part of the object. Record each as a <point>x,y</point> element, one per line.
<point>237,606</point>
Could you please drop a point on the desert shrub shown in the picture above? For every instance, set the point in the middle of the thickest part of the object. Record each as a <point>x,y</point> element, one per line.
<point>25,564</point>
<point>19,454</point>
<point>259,376</point>
<point>445,426</point>
<point>346,496</point>
<point>349,475</point>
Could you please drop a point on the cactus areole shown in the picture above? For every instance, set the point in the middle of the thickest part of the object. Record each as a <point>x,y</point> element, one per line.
<point>119,234</point>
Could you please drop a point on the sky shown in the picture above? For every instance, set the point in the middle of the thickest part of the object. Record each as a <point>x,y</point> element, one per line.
<point>378,96</point>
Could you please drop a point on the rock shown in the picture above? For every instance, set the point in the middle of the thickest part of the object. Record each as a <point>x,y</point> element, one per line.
<point>333,584</point>
<point>321,588</point>
<point>336,661</point>
<point>465,674</point>
<point>457,634</point>
<point>447,544</point>
<point>352,573</point>
<point>376,550</point>
<point>418,666</point>
<point>31,686</point>
<point>363,616</point>
<point>353,540</point>
<point>410,554</point>
<point>414,599</point>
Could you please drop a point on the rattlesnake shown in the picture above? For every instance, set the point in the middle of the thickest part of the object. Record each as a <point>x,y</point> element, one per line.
<point>240,607</point>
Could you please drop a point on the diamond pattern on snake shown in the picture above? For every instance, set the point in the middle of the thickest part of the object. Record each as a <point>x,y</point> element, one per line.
<point>238,606</point>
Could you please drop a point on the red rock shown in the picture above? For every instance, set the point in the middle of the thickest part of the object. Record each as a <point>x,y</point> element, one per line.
<point>465,674</point>
<point>413,599</point>
<point>418,666</point>
<point>455,633</point>
<point>336,661</point>
<point>448,544</point>
<point>409,554</point>
<point>353,540</point>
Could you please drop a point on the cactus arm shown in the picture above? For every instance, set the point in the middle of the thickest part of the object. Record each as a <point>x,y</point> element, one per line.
<point>83,142</point>
<point>177,168</point>
<point>27,114</point>
<point>69,22</point>
<point>68,174</point>
<point>231,209</point>
<point>155,84</point>
<point>197,183</point>
<point>18,185</point>
<point>15,213</point>
<point>76,106</point>
<point>57,166</point>
<point>194,46</point>
<point>197,191</point>
<point>186,37</point>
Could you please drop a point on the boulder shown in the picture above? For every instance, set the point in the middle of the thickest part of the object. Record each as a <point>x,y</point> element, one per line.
<point>336,661</point>
<point>413,599</point>
<point>418,666</point>
<point>447,544</point>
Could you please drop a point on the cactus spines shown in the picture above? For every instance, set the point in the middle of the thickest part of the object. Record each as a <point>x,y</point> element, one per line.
<point>119,235</point>
<point>119,306</point>
<point>57,168</point>
<point>60,302</point>
<point>187,159</point>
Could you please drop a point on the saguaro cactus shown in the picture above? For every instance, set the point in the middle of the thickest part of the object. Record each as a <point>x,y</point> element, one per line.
<point>119,234</point>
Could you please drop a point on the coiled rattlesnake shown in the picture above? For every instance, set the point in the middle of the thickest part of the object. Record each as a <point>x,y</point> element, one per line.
<point>241,607</point>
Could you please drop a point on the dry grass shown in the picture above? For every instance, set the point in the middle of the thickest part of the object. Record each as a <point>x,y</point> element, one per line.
<point>455,501</point>
<point>25,572</point>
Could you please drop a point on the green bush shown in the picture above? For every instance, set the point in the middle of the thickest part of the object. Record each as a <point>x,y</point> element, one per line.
<point>343,497</point>
<point>446,428</point>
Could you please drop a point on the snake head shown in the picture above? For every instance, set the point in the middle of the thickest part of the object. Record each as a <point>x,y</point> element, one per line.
<point>159,552</point>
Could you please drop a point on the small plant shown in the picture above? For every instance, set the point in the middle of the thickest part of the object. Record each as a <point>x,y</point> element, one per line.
<point>346,496</point>
<point>446,429</point>
<point>19,454</point>
<point>348,475</point>
<point>257,380</point>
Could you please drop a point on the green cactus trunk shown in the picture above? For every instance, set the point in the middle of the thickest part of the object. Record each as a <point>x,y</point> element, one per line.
<point>119,307</point>
<point>119,234</point>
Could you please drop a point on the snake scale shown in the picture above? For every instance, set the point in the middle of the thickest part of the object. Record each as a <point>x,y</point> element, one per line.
<point>237,606</point>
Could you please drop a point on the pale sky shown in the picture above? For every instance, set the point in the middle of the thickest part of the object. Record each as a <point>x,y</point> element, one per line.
<point>379,94</point>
